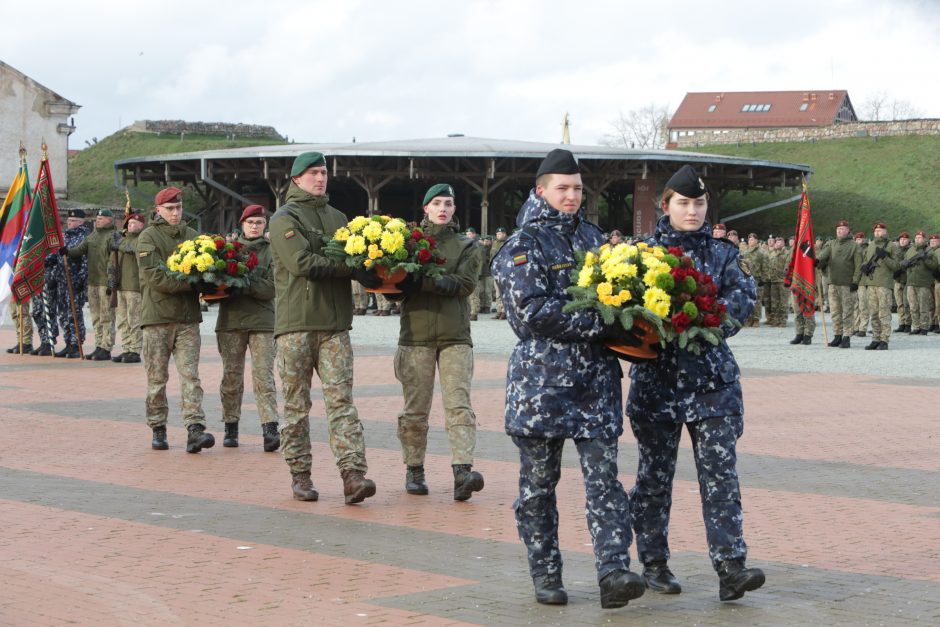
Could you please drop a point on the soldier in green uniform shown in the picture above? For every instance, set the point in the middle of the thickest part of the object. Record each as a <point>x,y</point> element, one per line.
<point>497,245</point>
<point>900,284</point>
<point>313,315</point>
<point>841,260</point>
<point>170,317</point>
<point>919,266</point>
<point>879,263</point>
<point>862,315</point>
<point>757,263</point>
<point>934,246</point>
<point>97,247</point>
<point>822,282</point>
<point>435,335</point>
<point>777,298</point>
<point>128,290</point>
<point>246,323</point>
<point>23,324</point>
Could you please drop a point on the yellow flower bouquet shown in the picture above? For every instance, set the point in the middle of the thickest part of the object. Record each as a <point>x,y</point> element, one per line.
<point>212,259</point>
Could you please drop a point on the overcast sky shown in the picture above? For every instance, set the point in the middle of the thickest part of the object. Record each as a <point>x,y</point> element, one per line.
<point>328,71</point>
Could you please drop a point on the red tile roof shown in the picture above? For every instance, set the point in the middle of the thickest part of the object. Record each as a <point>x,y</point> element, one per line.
<point>821,109</point>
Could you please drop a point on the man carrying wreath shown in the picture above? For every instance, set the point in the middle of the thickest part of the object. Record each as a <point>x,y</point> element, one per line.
<point>313,315</point>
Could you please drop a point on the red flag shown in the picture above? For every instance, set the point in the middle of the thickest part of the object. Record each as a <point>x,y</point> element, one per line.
<point>801,273</point>
<point>43,235</point>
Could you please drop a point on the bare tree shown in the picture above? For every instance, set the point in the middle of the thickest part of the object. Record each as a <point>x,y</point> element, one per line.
<point>639,128</point>
<point>904,110</point>
<point>875,106</point>
<point>879,106</point>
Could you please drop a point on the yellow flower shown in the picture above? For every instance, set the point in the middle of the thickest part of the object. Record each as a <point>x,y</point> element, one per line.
<point>625,296</point>
<point>367,263</point>
<point>657,301</point>
<point>342,234</point>
<point>355,245</point>
<point>642,245</point>
<point>604,289</point>
<point>605,253</point>
<point>204,261</point>
<point>631,270</point>
<point>358,223</point>
<point>585,276</point>
<point>392,242</point>
<point>374,252</point>
<point>395,224</point>
<point>372,231</point>
<point>590,259</point>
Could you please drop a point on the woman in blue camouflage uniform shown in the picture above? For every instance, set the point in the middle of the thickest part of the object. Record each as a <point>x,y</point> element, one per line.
<point>702,392</point>
<point>562,383</point>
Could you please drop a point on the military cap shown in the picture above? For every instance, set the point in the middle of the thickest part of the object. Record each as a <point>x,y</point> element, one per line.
<point>76,213</point>
<point>754,235</point>
<point>859,234</point>
<point>880,225</point>
<point>135,216</point>
<point>733,232</point>
<point>500,229</point>
<point>307,160</point>
<point>470,229</point>
<point>904,234</point>
<point>441,189</point>
<point>687,182</point>
<point>485,237</point>
<point>168,195</point>
<point>616,232</point>
<point>719,225</point>
<point>842,223</point>
<point>558,161</point>
<point>934,236</point>
<point>252,211</point>
<point>107,213</point>
<point>921,233</point>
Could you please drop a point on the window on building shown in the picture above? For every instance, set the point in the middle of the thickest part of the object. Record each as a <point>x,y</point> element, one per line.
<point>755,108</point>
<point>711,108</point>
<point>804,106</point>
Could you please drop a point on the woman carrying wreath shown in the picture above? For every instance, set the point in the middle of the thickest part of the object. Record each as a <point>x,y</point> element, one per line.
<point>702,392</point>
<point>435,334</point>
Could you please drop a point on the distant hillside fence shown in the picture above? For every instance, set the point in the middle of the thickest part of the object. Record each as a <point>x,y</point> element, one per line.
<point>836,131</point>
<point>180,127</point>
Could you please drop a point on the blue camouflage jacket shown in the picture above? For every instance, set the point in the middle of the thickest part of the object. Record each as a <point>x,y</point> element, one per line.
<point>680,386</point>
<point>561,382</point>
<point>78,266</point>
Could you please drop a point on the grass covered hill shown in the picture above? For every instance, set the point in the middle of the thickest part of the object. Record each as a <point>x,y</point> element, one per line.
<point>91,171</point>
<point>861,179</point>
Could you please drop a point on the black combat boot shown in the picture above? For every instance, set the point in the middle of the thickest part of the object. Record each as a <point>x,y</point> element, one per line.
<point>935,328</point>
<point>272,441</point>
<point>734,580</point>
<point>159,442</point>
<point>64,352</point>
<point>807,340</point>
<point>44,350</point>
<point>231,435</point>
<point>923,331</point>
<point>873,345</point>
<point>914,332</point>
<point>302,487</point>
<point>131,358</point>
<point>198,439</point>
<point>797,340</point>
<point>93,354</point>
<point>118,359</point>
<point>660,579</point>
<point>101,355</point>
<point>860,334</point>
<point>466,482</point>
<point>882,346</point>
<point>619,587</point>
<point>356,488</point>
<point>73,352</point>
<point>27,348</point>
<point>835,341</point>
<point>549,589</point>
<point>846,342</point>
<point>414,480</point>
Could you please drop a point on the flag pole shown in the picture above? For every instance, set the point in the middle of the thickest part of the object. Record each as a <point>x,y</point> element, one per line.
<point>822,308</point>
<point>20,305</point>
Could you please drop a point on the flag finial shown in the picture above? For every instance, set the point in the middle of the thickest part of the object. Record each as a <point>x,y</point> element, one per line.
<point>22,153</point>
<point>44,148</point>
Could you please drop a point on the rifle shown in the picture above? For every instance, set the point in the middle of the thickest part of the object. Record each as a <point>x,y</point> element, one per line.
<point>913,261</point>
<point>114,280</point>
<point>868,268</point>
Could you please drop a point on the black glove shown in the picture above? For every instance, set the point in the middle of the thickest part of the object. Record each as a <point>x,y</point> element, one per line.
<point>898,274</point>
<point>234,292</point>
<point>320,272</point>
<point>815,262</point>
<point>204,287</point>
<point>50,261</point>
<point>853,287</point>
<point>368,279</point>
<point>446,286</point>
<point>107,291</point>
<point>52,284</point>
<point>880,253</point>
<point>936,274</point>
<point>63,251</point>
<point>409,285</point>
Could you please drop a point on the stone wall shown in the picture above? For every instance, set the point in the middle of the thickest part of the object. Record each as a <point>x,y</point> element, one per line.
<point>834,131</point>
<point>177,127</point>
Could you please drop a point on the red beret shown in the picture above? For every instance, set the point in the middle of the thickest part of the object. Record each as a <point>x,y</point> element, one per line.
<point>880,225</point>
<point>720,226</point>
<point>859,234</point>
<point>904,234</point>
<point>732,232</point>
<point>135,216</point>
<point>252,211</point>
<point>934,236</point>
<point>842,223</point>
<point>921,233</point>
<point>168,194</point>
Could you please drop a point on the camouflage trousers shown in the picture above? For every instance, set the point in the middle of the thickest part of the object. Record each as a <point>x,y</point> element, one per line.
<point>805,325</point>
<point>20,314</point>
<point>921,302</point>
<point>777,303</point>
<point>101,318</point>
<point>128,315</point>
<point>182,341</point>
<point>51,310</point>
<point>713,447</point>
<point>842,308</point>
<point>232,347</point>
<point>414,368</point>
<point>360,296</point>
<point>879,304</point>
<point>754,319</point>
<point>900,299</point>
<point>822,291</point>
<point>480,297</point>
<point>936,302</point>
<point>329,353</point>
<point>497,299</point>
<point>607,509</point>
<point>382,303</point>
<point>862,315</point>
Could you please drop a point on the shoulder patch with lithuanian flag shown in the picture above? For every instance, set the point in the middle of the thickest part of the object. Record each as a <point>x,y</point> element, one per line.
<point>519,259</point>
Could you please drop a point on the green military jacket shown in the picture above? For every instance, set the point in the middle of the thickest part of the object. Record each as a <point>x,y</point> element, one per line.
<point>920,274</point>
<point>777,262</point>
<point>883,274</point>
<point>757,263</point>
<point>432,319</point>
<point>841,259</point>
<point>164,299</point>
<point>486,254</point>
<point>302,304</point>
<point>497,244</point>
<point>899,252</point>
<point>98,248</point>
<point>253,310</point>
<point>127,258</point>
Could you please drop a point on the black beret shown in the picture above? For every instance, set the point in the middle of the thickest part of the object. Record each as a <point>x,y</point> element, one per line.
<point>687,182</point>
<point>558,161</point>
<point>77,213</point>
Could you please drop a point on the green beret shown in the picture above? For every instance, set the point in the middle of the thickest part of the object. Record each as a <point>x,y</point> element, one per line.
<point>441,189</point>
<point>470,229</point>
<point>105,212</point>
<point>307,160</point>
<point>500,229</point>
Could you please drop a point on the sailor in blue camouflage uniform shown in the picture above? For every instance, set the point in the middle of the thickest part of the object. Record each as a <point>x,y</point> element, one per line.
<point>702,392</point>
<point>562,383</point>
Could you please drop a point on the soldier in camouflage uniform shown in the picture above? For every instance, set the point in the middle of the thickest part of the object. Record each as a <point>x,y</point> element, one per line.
<point>128,290</point>
<point>246,322</point>
<point>313,315</point>
<point>360,299</point>
<point>900,284</point>
<point>97,248</point>
<point>562,383</point>
<point>498,243</point>
<point>879,263</point>
<point>919,266</point>
<point>822,282</point>
<point>54,308</point>
<point>777,296</point>
<point>170,317</point>
<point>480,297</point>
<point>862,315</point>
<point>435,334</point>
<point>757,262</point>
<point>701,392</point>
<point>934,246</point>
<point>23,324</point>
<point>841,259</point>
